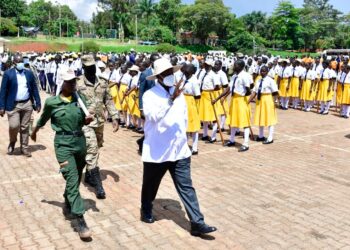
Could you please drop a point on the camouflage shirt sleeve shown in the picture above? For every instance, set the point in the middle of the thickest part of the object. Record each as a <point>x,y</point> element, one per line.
<point>109,103</point>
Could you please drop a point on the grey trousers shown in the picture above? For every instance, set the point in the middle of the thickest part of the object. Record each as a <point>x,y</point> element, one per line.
<point>19,120</point>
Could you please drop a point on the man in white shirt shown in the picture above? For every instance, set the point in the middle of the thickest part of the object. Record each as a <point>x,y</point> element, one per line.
<point>165,146</point>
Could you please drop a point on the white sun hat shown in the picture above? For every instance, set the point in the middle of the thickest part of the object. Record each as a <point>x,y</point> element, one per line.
<point>134,68</point>
<point>101,64</point>
<point>68,75</point>
<point>162,65</point>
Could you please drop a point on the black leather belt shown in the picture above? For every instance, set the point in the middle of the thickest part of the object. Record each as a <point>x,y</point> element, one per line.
<point>23,101</point>
<point>72,133</point>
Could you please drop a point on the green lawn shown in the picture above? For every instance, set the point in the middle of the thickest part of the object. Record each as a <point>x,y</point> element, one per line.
<point>289,53</point>
<point>108,45</point>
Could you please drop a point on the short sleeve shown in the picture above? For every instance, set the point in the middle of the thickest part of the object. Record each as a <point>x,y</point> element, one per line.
<point>273,86</point>
<point>195,88</point>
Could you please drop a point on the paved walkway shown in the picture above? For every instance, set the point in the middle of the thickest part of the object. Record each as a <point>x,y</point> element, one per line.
<point>293,194</point>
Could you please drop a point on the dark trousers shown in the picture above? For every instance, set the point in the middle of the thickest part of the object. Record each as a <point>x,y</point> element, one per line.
<point>70,153</point>
<point>51,82</point>
<point>180,172</point>
<point>42,79</point>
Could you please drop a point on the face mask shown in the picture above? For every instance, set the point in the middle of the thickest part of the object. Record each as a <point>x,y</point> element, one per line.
<point>169,81</point>
<point>20,66</point>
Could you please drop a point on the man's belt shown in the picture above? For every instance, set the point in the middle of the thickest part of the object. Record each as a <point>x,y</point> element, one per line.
<point>71,133</point>
<point>22,101</point>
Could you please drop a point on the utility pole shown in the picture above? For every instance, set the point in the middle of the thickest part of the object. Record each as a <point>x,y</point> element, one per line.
<point>136,30</point>
<point>59,6</point>
<point>50,24</point>
<point>0,22</point>
<point>59,17</point>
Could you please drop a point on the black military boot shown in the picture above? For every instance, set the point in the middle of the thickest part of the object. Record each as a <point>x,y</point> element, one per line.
<point>83,230</point>
<point>89,178</point>
<point>100,192</point>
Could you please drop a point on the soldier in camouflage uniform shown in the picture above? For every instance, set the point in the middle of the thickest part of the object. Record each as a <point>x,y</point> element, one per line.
<point>98,98</point>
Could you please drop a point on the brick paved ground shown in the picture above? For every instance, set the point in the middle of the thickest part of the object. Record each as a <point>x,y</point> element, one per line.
<point>293,194</point>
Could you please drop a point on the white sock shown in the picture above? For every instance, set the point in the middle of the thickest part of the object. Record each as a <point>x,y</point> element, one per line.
<point>271,130</point>
<point>322,106</point>
<point>343,109</point>
<point>347,110</point>
<point>282,101</point>
<point>261,132</point>
<point>328,105</point>
<point>127,120</point>
<point>296,102</point>
<point>223,120</point>
<point>215,129</point>
<point>195,141</point>
<point>286,102</point>
<point>232,135</point>
<point>139,123</point>
<point>246,137</point>
<point>205,129</point>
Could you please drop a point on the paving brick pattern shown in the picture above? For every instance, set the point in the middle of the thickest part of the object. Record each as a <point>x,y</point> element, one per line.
<point>293,194</point>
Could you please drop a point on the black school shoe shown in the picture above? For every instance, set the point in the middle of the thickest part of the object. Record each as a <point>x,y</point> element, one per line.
<point>243,148</point>
<point>205,138</point>
<point>200,229</point>
<point>266,142</point>
<point>212,140</point>
<point>230,144</point>
<point>261,139</point>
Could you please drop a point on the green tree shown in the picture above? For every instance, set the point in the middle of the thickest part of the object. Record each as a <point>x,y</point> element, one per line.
<point>256,22</point>
<point>319,20</point>
<point>205,17</point>
<point>119,13</point>
<point>156,32</point>
<point>12,8</point>
<point>146,8</point>
<point>8,27</point>
<point>169,12</point>
<point>286,25</point>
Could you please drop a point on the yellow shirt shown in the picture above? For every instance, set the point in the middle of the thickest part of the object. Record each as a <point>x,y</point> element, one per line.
<point>66,99</point>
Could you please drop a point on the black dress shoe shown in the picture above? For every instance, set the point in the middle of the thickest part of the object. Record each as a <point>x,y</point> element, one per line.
<point>212,140</point>
<point>243,148</point>
<point>147,217</point>
<point>261,139</point>
<point>11,148</point>
<point>230,144</point>
<point>205,138</point>
<point>198,230</point>
<point>267,142</point>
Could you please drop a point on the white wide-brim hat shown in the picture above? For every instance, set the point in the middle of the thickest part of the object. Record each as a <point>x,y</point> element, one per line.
<point>134,68</point>
<point>100,64</point>
<point>162,65</point>
<point>68,75</point>
<point>209,62</point>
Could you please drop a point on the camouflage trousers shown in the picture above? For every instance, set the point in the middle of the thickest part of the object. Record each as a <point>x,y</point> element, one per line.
<point>94,141</point>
